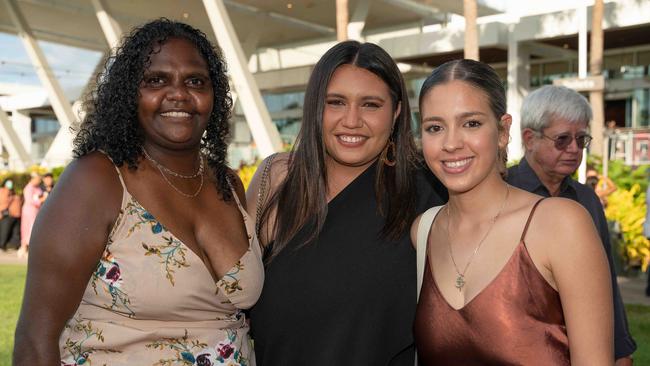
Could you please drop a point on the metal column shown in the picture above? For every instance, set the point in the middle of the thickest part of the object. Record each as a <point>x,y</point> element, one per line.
<point>518,84</point>
<point>264,132</point>
<point>19,158</point>
<point>110,27</point>
<point>60,151</point>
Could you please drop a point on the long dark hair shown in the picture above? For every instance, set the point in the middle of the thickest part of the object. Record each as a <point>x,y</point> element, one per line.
<point>481,76</point>
<point>111,122</point>
<point>301,197</point>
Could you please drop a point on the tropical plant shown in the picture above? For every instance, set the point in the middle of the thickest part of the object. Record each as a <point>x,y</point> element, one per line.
<point>628,208</point>
<point>246,172</point>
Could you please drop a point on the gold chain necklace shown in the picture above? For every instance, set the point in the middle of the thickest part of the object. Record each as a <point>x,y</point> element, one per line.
<point>460,278</point>
<point>162,169</point>
<point>198,172</point>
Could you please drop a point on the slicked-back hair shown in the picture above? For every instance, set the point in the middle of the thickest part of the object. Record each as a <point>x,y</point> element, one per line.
<point>302,197</point>
<point>481,76</point>
<point>111,123</point>
<point>543,105</point>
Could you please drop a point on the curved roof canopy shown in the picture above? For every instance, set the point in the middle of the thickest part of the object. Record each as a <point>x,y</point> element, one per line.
<point>73,22</point>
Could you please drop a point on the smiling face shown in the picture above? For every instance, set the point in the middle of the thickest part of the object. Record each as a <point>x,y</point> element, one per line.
<point>547,160</point>
<point>175,96</point>
<point>358,117</point>
<point>460,135</point>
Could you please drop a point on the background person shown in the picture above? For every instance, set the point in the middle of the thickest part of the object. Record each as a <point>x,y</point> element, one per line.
<point>32,201</point>
<point>555,130</point>
<point>10,207</point>
<point>143,253</point>
<point>340,273</point>
<point>602,186</point>
<point>491,296</point>
<point>47,184</point>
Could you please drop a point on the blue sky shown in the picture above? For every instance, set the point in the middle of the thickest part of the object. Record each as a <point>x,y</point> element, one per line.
<point>72,66</point>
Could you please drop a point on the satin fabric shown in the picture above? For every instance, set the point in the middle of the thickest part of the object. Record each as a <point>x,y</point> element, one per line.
<point>516,320</point>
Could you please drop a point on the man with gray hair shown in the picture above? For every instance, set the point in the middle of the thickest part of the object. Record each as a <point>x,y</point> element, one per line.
<point>554,132</point>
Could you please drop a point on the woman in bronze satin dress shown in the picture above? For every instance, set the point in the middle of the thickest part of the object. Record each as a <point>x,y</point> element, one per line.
<point>510,279</point>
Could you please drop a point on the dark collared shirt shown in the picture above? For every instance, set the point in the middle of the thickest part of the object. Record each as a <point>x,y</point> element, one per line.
<point>524,177</point>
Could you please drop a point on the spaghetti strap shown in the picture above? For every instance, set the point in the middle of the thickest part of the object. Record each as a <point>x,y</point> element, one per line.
<point>530,217</point>
<point>119,175</point>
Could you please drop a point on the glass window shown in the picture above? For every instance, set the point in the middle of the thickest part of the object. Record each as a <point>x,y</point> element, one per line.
<point>643,58</point>
<point>614,64</point>
<point>284,101</point>
<point>642,101</point>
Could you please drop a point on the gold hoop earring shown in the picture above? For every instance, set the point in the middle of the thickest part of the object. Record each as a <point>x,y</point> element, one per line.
<point>386,156</point>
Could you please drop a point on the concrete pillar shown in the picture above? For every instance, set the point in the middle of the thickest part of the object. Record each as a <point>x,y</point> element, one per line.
<point>19,158</point>
<point>61,149</point>
<point>342,19</point>
<point>259,121</point>
<point>471,29</point>
<point>110,26</point>
<point>518,85</point>
<point>582,73</point>
<point>596,97</point>
<point>358,20</point>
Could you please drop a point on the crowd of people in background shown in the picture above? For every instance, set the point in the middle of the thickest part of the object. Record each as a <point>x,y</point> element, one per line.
<point>19,210</point>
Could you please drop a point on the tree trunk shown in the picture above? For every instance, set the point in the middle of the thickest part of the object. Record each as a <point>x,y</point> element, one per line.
<point>342,19</point>
<point>471,30</point>
<point>595,69</point>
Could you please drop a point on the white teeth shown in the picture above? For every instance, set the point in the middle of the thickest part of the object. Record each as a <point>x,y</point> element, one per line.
<point>457,163</point>
<point>351,139</point>
<point>175,114</point>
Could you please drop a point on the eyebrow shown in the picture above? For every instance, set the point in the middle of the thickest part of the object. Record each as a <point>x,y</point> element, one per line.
<point>166,71</point>
<point>460,116</point>
<point>368,97</point>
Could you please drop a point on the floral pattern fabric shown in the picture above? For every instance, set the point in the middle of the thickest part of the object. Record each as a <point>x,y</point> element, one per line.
<point>152,301</point>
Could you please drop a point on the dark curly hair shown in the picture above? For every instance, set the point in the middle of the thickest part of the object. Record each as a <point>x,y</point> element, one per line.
<point>111,122</point>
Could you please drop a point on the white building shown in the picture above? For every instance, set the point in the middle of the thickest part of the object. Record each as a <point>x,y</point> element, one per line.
<point>272,46</point>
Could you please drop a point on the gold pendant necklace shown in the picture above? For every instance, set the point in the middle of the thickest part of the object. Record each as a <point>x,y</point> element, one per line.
<point>460,278</point>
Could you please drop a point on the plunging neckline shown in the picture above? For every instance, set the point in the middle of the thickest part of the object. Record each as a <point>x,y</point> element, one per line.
<point>196,255</point>
<point>490,283</point>
<point>515,253</point>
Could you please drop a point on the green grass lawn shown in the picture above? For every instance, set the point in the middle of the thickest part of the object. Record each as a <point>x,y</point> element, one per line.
<point>639,318</point>
<point>12,278</point>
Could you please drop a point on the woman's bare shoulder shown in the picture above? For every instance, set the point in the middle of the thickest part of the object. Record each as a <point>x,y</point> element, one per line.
<point>91,174</point>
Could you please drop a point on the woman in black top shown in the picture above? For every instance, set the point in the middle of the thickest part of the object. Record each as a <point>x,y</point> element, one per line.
<point>333,216</point>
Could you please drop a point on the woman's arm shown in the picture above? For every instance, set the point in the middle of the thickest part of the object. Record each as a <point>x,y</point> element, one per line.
<point>579,267</point>
<point>277,171</point>
<point>68,239</point>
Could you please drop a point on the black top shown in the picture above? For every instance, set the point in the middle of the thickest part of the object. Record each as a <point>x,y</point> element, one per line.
<point>348,298</point>
<point>524,177</point>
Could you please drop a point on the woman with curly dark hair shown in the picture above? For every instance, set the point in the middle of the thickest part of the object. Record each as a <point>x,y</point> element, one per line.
<point>143,252</point>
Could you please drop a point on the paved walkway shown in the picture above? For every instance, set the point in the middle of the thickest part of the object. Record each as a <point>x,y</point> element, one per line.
<point>632,289</point>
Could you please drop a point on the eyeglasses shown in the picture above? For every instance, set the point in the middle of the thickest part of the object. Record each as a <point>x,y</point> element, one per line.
<point>562,141</point>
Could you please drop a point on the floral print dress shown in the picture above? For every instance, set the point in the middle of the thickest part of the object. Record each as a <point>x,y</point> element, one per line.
<point>152,301</point>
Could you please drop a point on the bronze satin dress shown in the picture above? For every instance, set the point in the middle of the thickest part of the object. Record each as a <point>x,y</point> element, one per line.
<point>516,320</point>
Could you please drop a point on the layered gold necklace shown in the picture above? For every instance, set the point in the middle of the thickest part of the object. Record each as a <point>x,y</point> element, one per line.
<point>460,278</point>
<point>163,169</point>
